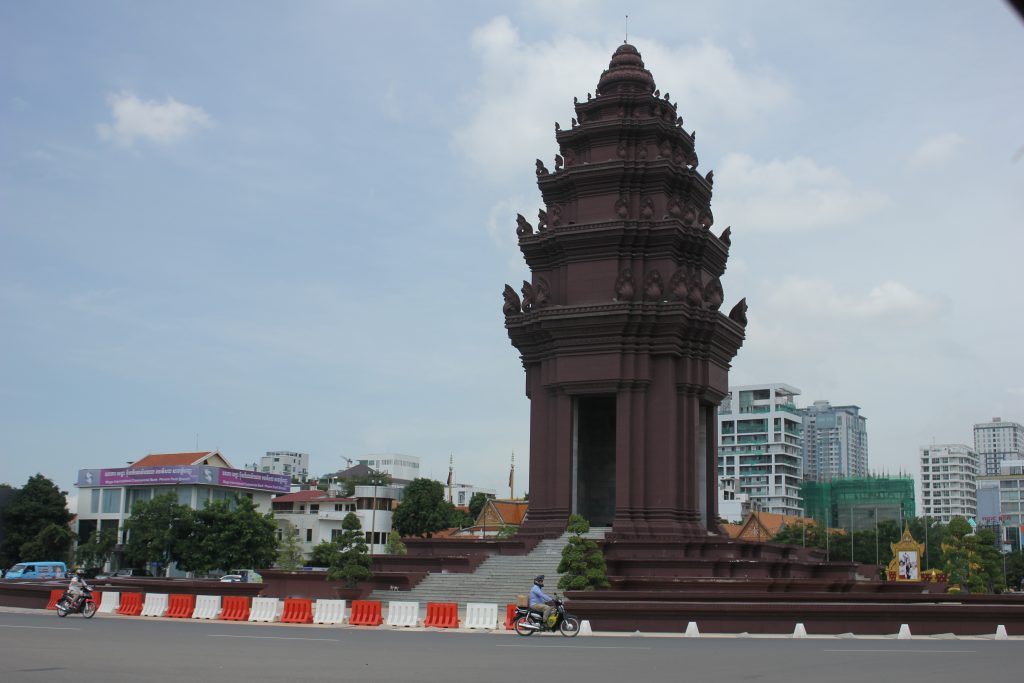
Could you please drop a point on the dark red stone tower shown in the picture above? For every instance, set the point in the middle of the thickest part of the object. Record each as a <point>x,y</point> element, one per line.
<point>625,349</point>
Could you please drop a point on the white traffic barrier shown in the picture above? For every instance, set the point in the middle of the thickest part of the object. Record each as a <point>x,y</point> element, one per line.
<point>1001,633</point>
<point>264,609</point>
<point>402,613</point>
<point>155,605</point>
<point>799,631</point>
<point>692,631</point>
<point>585,629</point>
<point>109,603</point>
<point>329,612</point>
<point>207,607</point>
<point>904,633</point>
<point>481,615</point>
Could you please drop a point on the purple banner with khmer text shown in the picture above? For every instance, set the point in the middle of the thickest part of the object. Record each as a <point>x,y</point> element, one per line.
<point>184,474</point>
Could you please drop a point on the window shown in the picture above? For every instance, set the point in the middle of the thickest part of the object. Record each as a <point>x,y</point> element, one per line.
<point>309,535</point>
<point>94,501</point>
<point>111,500</point>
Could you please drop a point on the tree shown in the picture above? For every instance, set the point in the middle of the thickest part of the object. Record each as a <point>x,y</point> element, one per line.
<point>351,563</point>
<point>394,545</point>
<point>990,560</point>
<point>34,507</point>
<point>423,510</point>
<point>323,553</point>
<point>159,531</point>
<point>53,542</point>
<point>1015,570</point>
<point>97,548</point>
<point>459,518</point>
<point>962,562</point>
<point>477,502</point>
<point>231,534</point>
<point>289,552</point>
<point>506,531</point>
<point>582,566</point>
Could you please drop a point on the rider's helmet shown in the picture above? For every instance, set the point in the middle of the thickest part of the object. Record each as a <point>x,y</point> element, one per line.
<point>539,580</point>
<point>80,573</point>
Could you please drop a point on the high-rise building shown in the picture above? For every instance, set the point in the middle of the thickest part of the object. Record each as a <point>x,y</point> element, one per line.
<point>1000,507</point>
<point>997,441</point>
<point>835,442</point>
<point>949,474</point>
<point>759,443</point>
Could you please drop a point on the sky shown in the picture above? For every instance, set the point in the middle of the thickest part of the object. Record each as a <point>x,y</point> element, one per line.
<point>254,226</point>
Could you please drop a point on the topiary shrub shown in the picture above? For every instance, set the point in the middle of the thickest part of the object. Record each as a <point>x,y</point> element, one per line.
<point>351,563</point>
<point>582,566</point>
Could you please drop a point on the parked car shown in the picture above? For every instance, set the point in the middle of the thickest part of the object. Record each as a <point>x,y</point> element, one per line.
<point>37,570</point>
<point>231,578</point>
<point>247,575</point>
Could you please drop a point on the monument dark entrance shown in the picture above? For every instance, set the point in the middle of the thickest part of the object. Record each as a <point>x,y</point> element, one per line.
<point>625,349</point>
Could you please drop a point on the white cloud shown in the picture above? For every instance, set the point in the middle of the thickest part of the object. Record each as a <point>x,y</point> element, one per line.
<point>796,194</point>
<point>525,87</point>
<point>936,151</point>
<point>161,123</point>
<point>819,299</point>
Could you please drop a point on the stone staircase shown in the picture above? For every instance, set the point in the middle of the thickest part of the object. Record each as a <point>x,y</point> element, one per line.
<point>499,579</point>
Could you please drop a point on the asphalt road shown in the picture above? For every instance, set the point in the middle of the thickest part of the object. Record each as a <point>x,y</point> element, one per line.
<point>38,646</point>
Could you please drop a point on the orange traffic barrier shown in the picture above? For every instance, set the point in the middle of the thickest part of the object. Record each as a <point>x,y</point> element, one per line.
<point>297,611</point>
<point>235,608</point>
<point>97,598</point>
<point>131,604</point>
<point>181,606</point>
<point>54,597</point>
<point>366,613</point>
<point>510,615</point>
<point>442,615</point>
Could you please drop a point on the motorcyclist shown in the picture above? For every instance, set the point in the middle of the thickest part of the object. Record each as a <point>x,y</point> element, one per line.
<point>541,601</point>
<point>77,588</point>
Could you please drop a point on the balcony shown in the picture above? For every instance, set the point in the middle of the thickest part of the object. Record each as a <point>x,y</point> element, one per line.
<point>333,515</point>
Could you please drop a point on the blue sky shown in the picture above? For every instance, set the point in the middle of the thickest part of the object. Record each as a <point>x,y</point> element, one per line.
<point>287,226</point>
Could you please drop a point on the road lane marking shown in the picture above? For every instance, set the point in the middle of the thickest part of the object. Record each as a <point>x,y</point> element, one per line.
<point>581,647</point>
<point>899,652</point>
<point>324,640</point>
<point>48,628</point>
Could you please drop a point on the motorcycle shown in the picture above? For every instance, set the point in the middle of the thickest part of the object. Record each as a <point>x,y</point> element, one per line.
<point>528,621</point>
<point>85,605</point>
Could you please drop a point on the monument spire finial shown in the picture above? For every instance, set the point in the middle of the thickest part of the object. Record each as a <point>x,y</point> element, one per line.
<point>627,30</point>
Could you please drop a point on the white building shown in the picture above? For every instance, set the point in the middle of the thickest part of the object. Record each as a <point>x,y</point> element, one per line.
<point>997,441</point>
<point>759,443</point>
<point>732,506</point>
<point>463,493</point>
<point>835,442</point>
<point>402,468</point>
<point>949,474</point>
<point>317,515</point>
<point>295,465</point>
<point>106,496</point>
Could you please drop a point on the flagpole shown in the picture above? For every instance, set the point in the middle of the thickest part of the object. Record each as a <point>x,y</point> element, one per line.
<point>512,478</point>
<point>451,460</point>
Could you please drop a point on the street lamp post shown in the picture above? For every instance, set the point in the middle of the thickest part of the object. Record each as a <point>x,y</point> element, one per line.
<point>373,519</point>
